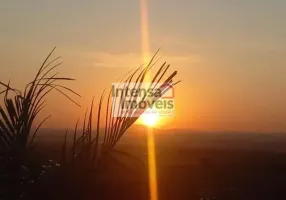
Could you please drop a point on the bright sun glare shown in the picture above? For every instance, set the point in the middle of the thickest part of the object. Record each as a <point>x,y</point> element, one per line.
<point>150,119</point>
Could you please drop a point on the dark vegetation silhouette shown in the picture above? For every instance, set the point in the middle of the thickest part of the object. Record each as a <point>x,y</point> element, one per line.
<point>83,161</point>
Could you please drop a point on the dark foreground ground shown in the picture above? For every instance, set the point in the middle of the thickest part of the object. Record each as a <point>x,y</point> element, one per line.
<point>222,171</point>
<point>220,174</point>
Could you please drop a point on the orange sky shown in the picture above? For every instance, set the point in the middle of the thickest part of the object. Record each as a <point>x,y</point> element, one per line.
<point>231,61</point>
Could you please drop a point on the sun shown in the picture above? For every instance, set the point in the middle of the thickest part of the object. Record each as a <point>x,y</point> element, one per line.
<point>150,119</point>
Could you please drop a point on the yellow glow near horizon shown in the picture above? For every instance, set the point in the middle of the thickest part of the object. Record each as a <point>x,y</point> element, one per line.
<point>149,120</point>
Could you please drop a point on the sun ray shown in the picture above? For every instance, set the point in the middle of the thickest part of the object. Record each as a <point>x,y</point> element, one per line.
<point>149,120</point>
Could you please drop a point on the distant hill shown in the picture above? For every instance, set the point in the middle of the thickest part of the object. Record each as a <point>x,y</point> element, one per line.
<point>188,138</point>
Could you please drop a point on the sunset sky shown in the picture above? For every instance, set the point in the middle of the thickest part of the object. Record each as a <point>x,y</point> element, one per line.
<point>230,55</point>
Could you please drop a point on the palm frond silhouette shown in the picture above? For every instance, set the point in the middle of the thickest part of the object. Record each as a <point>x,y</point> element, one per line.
<point>88,148</point>
<point>19,112</point>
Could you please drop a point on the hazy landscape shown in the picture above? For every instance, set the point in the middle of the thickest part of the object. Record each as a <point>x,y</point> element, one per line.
<point>142,100</point>
<point>194,164</point>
